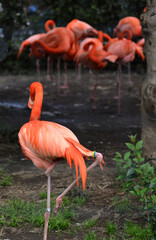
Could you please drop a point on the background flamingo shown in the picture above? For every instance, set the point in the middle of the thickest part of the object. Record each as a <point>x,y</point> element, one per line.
<point>95,61</point>
<point>81,29</point>
<point>57,43</point>
<point>129,23</point>
<point>29,41</point>
<point>125,50</point>
<point>47,143</point>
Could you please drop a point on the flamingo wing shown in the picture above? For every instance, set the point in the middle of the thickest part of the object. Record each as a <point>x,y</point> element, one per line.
<point>45,142</point>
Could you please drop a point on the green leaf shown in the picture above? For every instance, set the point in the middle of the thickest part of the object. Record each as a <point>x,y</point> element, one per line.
<point>128,164</point>
<point>118,155</point>
<point>127,155</point>
<point>138,170</point>
<point>120,177</point>
<point>153,180</point>
<point>153,198</point>
<point>139,145</point>
<point>143,191</point>
<point>130,146</point>
<point>130,172</point>
<point>151,185</point>
<point>134,193</point>
<point>118,160</point>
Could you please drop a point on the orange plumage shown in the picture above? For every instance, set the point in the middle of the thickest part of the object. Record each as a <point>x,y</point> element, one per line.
<point>129,23</point>
<point>45,142</point>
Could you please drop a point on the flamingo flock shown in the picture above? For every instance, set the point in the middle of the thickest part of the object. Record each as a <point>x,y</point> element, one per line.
<point>87,46</point>
<point>46,143</point>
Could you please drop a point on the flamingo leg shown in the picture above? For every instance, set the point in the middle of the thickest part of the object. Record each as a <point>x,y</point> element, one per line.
<point>118,86</point>
<point>79,72</point>
<point>58,75</point>
<point>129,73</point>
<point>48,210</point>
<point>65,76</point>
<point>59,199</point>
<point>93,93</point>
<point>38,69</point>
<point>48,68</point>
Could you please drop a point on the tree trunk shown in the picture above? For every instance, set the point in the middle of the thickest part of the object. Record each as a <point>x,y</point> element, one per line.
<point>148,104</point>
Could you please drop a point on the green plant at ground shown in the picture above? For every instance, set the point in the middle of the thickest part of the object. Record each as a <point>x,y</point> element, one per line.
<point>5,180</point>
<point>90,223</point>
<point>111,228</point>
<point>80,201</point>
<point>138,177</point>
<point>121,205</point>
<point>43,195</point>
<point>135,231</point>
<point>91,236</point>
<point>16,212</point>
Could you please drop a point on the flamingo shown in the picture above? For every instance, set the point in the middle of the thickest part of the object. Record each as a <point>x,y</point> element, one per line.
<point>29,41</point>
<point>96,61</point>
<point>81,29</point>
<point>141,42</point>
<point>47,143</point>
<point>82,55</point>
<point>125,50</point>
<point>129,23</point>
<point>56,43</point>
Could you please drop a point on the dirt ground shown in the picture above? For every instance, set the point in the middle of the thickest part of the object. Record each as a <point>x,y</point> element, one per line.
<point>101,130</point>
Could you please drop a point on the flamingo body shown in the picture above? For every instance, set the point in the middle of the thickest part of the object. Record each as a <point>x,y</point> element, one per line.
<point>129,23</point>
<point>81,29</point>
<point>125,50</point>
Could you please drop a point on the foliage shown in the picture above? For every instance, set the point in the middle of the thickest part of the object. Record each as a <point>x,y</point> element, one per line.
<point>111,228</point>
<point>133,230</point>
<point>5,179</point>
<point>43,195</point>
<point>138,177</point>
<point>91,236</point>
<point>90,223</point>
<point>16,212</point>
<point>121,205</point>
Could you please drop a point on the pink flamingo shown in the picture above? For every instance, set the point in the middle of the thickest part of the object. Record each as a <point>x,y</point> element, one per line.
<point>129,23</point>
<point>29,41</point>
<point>47,143</point>
<point>125,50</point>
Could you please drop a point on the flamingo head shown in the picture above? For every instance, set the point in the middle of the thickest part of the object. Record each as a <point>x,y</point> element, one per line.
<point>24,44</point>
<point>91,32</point>
<point>34,87</point>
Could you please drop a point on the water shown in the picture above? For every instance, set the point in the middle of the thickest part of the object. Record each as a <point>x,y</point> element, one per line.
<point>12,104</point>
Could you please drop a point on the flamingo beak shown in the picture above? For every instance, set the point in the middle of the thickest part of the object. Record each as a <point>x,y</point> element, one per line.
<point>30,103</point>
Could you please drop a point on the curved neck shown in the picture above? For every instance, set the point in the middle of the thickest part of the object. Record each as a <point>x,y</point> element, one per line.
<point>92,54</point>
<point>100,36</point>
<point>126,33</point>
<point>49,25</point>
<point>36,110</point>
<point>60,49</point>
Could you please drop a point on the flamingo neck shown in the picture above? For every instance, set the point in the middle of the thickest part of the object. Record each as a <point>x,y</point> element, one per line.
<point>36,110</point>
<point>49,25</point>
<point>126,33</point>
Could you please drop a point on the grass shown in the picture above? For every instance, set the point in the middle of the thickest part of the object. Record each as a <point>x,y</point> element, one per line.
<point>137,232</point>
<point>121,205</point>
<point>43,195</point>
<point>111,228</point>
<point>91,236</point>
<point>15,213</point>
<point>5,180</point>
<point>90,223</point>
